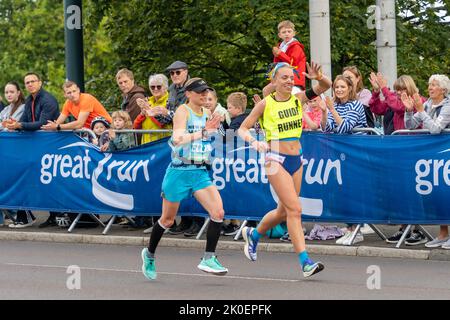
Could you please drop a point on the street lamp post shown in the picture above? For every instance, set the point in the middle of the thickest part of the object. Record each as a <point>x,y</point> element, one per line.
<point>73,28</point>
<point>319,23</point>
<point>387,41</point>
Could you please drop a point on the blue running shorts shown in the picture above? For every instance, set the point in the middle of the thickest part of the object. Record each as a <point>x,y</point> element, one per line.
<point>180,184</point>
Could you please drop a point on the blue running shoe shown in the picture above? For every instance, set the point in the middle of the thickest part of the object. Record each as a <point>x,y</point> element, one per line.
<point>250,244</point>
<point>212,266</point>
<point>310,268</point>
<point>148,265</point>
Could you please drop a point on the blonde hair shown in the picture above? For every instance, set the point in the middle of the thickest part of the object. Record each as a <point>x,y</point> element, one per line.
<point>238,99</point>
<point>443,82</point>
<point>351,88</point>
<point>213,92</point>
<point>357,74</point>
<point>125,72</point>
<point>286,24</point>
<point>124,116</point>
<point>406,82</point>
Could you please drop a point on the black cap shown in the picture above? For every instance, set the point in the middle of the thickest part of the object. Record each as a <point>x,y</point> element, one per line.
<point>198,86</point>
<point>99,119</point>
<point>177,65</point>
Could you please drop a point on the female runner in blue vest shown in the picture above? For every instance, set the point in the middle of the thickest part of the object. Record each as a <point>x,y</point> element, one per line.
<point>187,175</point>
<point>280,115</point>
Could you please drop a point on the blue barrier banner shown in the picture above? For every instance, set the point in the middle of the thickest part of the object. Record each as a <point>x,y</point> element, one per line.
<point>346,178</point>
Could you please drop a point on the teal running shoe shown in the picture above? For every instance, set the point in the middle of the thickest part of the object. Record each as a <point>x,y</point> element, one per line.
<point>310,268</point>
<point>212,266</point>
<point>148,265</point>
<point>250,244</point>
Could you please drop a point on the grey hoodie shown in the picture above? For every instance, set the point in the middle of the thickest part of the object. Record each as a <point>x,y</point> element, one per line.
<point>434,119</point>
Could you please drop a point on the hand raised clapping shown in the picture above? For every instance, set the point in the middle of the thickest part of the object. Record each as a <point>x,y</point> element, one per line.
<point>314,71</point>
<point>374,82</point>
<point>407,102</point>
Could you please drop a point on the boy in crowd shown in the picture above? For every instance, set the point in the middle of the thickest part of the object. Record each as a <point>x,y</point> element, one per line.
<point>236,105</point>
<point>291,51</point>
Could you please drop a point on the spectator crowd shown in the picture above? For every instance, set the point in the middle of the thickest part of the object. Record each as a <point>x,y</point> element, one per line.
<point>351,106</point>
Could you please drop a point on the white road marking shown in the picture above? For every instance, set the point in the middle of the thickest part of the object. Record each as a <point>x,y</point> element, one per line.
<point>139,271</point>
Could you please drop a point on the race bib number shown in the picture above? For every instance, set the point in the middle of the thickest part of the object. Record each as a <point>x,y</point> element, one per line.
<point>270,156</point>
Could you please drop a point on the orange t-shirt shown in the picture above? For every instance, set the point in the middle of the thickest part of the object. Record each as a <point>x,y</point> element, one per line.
<point>87,103</point>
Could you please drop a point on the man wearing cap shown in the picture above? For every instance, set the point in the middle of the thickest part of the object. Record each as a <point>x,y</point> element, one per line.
<point>82,106</point>
<point>179,75</point>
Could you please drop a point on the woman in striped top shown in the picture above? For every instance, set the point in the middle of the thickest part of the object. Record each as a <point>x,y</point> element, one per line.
<point>346,113</point>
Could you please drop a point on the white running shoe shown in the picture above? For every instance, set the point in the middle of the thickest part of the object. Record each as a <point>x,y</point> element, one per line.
<point>344,237</point>
<point>358,238</point>
<point>366,229</point>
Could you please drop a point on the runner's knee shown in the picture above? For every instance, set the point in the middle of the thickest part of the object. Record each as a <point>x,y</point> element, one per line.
<point>294,211</point>
<point>217,214</point>
<point>166,222</point>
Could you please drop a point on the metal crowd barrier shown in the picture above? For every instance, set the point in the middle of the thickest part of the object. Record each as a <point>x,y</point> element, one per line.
<point>112,219</point>
<point>409,226</point>
<point>81,131</point>
<point>360,130</point>
<point>416,131</point>
<point>243,224</point>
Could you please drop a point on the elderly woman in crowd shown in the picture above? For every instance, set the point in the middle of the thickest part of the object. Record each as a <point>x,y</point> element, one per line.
<point>148,119</point>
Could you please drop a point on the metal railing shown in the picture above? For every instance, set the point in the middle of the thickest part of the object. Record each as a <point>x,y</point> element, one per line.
<point>356,130</point>
<point>81,131</point>
<point>367,130</point>
<point>416,131</point>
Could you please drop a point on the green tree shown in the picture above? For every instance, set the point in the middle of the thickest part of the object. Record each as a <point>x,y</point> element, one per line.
<point>32,39</point>
<point>228,43</point>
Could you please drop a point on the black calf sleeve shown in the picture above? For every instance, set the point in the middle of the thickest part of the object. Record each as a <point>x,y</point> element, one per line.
<point>212,235</point>
<point>157,233</point>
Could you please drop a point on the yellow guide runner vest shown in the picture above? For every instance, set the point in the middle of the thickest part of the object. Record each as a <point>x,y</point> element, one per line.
<point>282,120</point>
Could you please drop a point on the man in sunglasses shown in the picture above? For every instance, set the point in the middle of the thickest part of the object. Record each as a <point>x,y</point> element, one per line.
<point>178,72</point>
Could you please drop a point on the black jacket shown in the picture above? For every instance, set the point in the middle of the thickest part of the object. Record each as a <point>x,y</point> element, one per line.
<point>237,121</point>
<point>45,108</point>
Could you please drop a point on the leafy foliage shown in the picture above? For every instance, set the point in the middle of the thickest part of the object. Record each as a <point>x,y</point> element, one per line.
<point>228,43</point>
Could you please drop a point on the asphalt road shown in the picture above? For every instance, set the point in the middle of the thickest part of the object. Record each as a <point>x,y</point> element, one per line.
<point>34,270</point>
